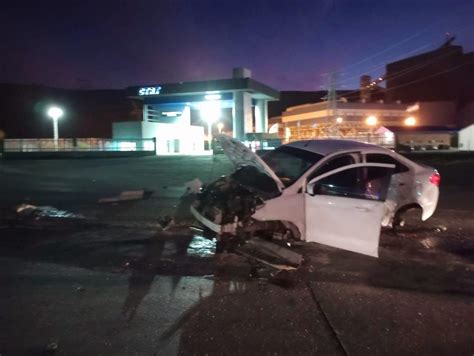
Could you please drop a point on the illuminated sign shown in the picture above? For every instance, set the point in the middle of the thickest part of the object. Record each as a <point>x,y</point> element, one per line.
<point>171,113</point>
<point>149,91</point>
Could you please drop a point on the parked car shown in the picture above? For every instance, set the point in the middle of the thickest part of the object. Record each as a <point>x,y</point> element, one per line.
<point>334,192</point>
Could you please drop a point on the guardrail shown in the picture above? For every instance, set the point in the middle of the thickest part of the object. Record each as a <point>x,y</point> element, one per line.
<point>78,145</point>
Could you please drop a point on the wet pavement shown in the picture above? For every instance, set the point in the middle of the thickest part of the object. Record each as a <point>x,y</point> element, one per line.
<point>113,283</point>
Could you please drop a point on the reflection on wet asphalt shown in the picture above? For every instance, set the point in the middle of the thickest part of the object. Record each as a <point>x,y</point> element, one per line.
<point>201,247</point>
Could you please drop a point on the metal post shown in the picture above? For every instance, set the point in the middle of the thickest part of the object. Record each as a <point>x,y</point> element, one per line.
<point>55,133</point>
<point>209,135</point>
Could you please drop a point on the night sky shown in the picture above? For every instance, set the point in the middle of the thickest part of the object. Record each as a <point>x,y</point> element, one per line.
<point>287,44</point>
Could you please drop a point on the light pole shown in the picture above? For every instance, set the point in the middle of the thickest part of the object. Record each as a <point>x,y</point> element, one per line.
<point>371,121</point>
<point>55,113</point>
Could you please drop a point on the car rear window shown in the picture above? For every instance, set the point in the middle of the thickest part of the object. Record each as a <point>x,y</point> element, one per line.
<point>382,158</point>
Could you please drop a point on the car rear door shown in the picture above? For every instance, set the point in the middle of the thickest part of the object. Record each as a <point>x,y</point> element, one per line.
<point>344,207</point>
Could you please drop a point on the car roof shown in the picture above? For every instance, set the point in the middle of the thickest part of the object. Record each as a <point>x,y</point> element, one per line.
<point>328,146</point>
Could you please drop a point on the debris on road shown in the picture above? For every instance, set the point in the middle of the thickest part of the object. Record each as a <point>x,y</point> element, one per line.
<point>51,348</point>
<point>270,254</point>
<point>164,221</point>
<point>127,195</point>
<point>292,257</point>
<point>38,212</point>
<point>193,187</point>
<point>428,243</point>
<point>440,228</point>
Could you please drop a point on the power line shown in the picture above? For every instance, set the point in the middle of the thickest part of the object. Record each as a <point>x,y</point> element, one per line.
<point>383,65</point>
<point>425,77</point>
<point>407,70</point>
<point>409,38</point>
<point>414,67</point>
<point>383,51</point>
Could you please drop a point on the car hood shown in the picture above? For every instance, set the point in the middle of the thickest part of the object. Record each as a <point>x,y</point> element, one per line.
<point>240,155</point>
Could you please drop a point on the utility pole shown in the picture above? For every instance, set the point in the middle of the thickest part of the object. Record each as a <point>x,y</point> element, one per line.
<point>332,102</point>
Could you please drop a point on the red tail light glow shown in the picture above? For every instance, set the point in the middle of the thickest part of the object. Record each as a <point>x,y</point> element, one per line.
<point>435,178</point>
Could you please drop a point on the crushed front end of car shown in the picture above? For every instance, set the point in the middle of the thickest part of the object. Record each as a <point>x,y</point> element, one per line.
<point>226,205</point>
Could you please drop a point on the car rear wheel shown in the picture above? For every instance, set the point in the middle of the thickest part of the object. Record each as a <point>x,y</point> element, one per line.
<point>407,217</point>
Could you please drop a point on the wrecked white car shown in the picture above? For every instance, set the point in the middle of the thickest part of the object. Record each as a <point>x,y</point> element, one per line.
<point>335,192</point>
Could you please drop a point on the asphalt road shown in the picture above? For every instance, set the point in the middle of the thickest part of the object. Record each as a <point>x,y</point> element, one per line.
<point>114,284</point>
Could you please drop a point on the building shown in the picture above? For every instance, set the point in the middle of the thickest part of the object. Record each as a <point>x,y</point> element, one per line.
<point>360,121</point>
<point>445,74</point>
<point>175,114</point>
<point>434,113</point>
<point>414,138</point>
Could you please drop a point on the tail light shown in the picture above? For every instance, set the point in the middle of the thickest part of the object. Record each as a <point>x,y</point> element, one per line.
<point>435,178</point>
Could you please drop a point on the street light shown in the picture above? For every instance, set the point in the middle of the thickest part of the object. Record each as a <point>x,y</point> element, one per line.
<point>210,111</point>
<point>410,121</point>
<point>339,120</point>
<point>55,113</point>
<point>371,121</point>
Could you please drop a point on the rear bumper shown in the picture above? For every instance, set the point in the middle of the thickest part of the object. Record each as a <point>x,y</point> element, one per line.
<point>429,203</point>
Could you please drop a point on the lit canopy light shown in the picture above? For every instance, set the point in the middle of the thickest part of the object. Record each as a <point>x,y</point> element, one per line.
<point>410,121</point>
<point>212,97</point>
<point>210,110</point>
<point>339,120</point>
<point>371,121</point>
<point>55,113</point>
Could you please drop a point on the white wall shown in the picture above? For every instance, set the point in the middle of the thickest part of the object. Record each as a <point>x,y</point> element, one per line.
<point>466,138</point>
<point>170,138</point>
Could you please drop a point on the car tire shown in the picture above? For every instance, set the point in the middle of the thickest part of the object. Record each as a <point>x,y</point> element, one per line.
<point>408,217</point>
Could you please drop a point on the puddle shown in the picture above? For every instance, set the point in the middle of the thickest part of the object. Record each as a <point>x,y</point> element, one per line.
<point>202,247</point>
<point>26,210</point>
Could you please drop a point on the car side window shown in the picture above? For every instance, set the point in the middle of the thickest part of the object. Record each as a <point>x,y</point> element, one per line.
<point>334,163</point>
<point>383,158</point>
<point>369,183</point>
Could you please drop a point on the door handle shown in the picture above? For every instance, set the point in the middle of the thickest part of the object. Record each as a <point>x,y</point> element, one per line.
<point>362,208</point>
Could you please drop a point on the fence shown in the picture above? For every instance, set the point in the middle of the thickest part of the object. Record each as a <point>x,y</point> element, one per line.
<point>78,145</point>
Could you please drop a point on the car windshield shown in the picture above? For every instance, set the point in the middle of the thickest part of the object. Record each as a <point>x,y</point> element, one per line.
<point>289,163</point>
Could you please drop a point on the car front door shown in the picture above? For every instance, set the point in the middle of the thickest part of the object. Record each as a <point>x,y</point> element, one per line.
<point>344,207</point>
